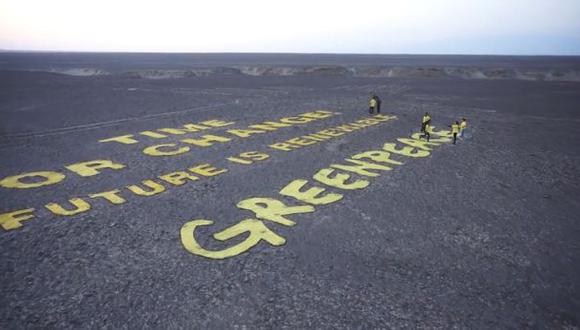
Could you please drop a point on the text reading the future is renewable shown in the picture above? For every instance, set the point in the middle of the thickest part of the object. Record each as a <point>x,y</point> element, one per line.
<point>337,176</point>
<point>160,182</point>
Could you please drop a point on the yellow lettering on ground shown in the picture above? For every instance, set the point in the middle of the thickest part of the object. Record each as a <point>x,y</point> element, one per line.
<point>124,139</point>
<point>157,150</point>
<point>244,132</point>
<point>361,123</point>
<point>207,170</point>
<point>239,160</point>
<point>361,167</point>
<point>301,142</point>
<point>187,128</point>
<point>338,180</point>
<point>208,124</point>
<point>423,145</point>
<point>319,114</point>
<point>154,188</point>
<point>257,232</point>
<point>90,168</point>
<point>346,128</point>
<point>442,133</point>
<point>217,123</point>
<point>206,140</point>
<point>79,204</point>
<point>417,136</point>
<point>327,134</point>
<point>12,220</point>
<point>153,134</point>
<point>272,209</point>
<point>296,120</point>
<point>317,137</point>
<point>249,157</point>
<point>254,155</point>
<point>310,196</point>
<point>269,126</point>
<point>110,196</point>
<point>358,126</point>
<point>405,151</point>
<point>178,178</point>
<point>377,156</point>
<point>19,181</point>
<point>331,132</point>
<point>384,117</point>
<point>283,146</point>
<point>369,121</point>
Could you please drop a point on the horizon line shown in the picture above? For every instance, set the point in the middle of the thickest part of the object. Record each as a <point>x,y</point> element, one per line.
<point>3,50</point>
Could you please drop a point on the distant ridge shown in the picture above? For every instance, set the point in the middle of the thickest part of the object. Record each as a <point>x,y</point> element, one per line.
<point>462,72</point>
<point>184,65</point>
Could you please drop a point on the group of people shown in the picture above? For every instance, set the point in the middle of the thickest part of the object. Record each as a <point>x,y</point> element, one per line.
<point>457,128</point>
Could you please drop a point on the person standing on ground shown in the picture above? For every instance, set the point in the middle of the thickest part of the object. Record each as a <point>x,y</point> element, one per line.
<point>462,127</point>
<point>372,104</point>
<point>424,121</point>
<point>378,99</point>
<point>427,132</point>
<point>455,130</point>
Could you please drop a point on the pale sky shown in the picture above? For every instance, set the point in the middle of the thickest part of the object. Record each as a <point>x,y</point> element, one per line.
<point>298,26</point>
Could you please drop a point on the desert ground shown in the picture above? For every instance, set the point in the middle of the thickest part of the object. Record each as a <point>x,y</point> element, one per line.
<point>256,191</point>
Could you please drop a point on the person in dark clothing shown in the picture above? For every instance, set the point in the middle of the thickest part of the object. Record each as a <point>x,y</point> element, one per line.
<point>378,103</point>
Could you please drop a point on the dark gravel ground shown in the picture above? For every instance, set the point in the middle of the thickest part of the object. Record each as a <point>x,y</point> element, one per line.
<point>483,234</point>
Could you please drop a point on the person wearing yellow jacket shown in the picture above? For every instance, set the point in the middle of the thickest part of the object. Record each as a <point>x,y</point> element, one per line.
<point>455,130</point>
<point>424,121</point>
<point>427,132</point>
<point>462,127</point>
<point>372,104</point>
